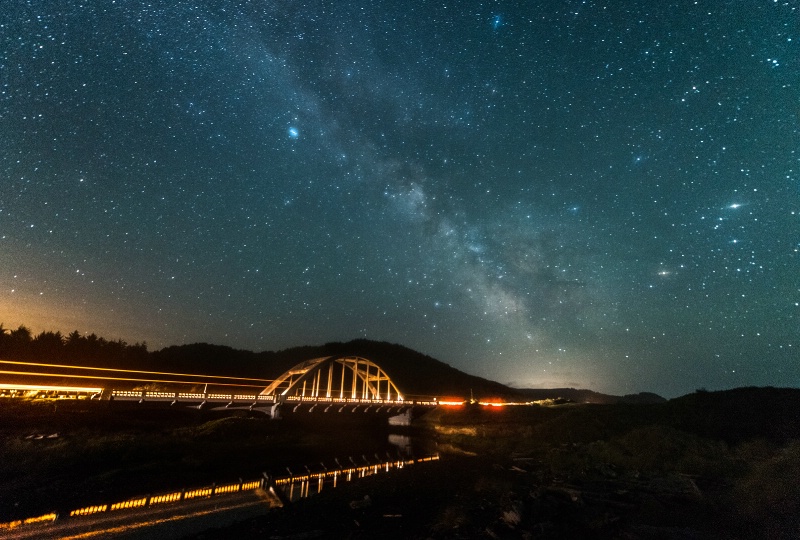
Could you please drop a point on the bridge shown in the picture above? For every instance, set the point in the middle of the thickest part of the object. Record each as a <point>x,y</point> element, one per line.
<point>327,384</point>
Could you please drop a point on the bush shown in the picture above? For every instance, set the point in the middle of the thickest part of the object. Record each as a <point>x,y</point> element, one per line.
<point>767,498</point>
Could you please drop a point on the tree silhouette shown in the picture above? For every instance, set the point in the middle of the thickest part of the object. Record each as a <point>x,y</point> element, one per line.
<point>20,343</point>
<point>53,347</point>
<point>48,345</point>
<point>5,341</point>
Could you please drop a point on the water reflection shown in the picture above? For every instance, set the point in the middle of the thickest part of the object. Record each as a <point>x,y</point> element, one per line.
<point>403,443</point>
<point>296,487</point>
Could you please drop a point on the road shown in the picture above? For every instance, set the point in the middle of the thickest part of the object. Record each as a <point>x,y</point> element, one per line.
<point>161,522</point>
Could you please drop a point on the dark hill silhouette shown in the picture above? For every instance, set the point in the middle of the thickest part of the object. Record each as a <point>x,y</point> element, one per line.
<point>208,359</point>
<point>413,372</point>
<point>740,414</point>
<point>588,396</point>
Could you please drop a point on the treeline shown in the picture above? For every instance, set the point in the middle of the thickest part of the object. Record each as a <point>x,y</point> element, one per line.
<point>54,348</point>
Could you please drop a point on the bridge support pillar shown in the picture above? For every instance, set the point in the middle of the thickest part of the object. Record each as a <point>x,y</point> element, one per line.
<point>275,412</point>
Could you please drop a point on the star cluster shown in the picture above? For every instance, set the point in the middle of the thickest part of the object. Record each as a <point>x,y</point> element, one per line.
<point>580,193</point>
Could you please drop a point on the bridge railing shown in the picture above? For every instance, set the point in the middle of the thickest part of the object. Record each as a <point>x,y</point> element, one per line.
<point>151,395</point>
<point>324,399</point>
<point>30,391</point>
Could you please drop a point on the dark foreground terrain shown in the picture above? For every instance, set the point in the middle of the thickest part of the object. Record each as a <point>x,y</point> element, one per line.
<point>708,465</point>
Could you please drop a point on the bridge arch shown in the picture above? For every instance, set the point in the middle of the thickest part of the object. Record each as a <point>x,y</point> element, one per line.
<point>335,378</point>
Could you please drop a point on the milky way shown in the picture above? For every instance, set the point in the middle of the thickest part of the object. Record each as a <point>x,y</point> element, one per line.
<point>578,193</point>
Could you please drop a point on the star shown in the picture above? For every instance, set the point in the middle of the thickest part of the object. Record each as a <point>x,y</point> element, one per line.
<point>539,172</point>
<point>497,22</point>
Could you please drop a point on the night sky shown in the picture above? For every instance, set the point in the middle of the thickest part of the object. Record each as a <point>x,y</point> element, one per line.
<point>599,194</point>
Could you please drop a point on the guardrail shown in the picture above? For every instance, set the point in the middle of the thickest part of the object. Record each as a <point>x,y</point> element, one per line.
<point>150,395</point>
<point>31,391</point>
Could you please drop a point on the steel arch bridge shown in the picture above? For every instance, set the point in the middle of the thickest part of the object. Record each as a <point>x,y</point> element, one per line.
<point>336,378</point>
<point>331,383</point>
<point>338,384</point>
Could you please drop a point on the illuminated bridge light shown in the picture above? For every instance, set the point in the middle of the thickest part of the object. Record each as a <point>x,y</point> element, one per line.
<point>230,488</point>
<point>203,492</point>
<point>160,394</point>
<point>28,521</point>
<point>89,510</point>
<point>167,498</point>
<point>135,503</point>
<point>492,404</point>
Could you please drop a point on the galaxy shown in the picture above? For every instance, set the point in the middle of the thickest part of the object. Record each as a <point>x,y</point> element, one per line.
<point>591,194</point>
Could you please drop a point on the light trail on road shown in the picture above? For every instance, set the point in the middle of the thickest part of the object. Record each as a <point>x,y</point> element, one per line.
<point>14,362</point>
<point>34,387</point>
<point>104,378</point>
